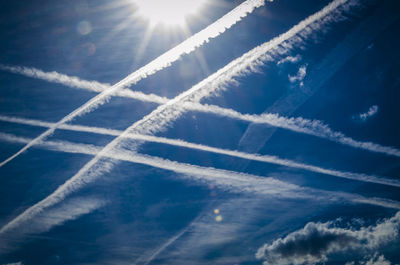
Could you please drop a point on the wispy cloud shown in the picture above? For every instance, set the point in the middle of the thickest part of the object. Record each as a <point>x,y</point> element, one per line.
<point>165,114</point>
<point>180,143</point>
<point>316,241</point>
<point>376,259</point>
<point>69,210</point>
<point>161,62</point>
<point>291,59</point>
<point>372,111</point>
<point>301,74</point>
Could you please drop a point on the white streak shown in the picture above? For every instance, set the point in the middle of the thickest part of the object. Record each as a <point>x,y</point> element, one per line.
<point>69,210</point>
<point>225,179</point>
<point>54,77</point>
<point>301,125</point>
<point>180,143</point>
<point>163,61</point>
<point>76,82</point>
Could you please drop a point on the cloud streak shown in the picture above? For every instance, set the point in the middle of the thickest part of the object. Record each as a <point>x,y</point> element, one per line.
<point>161,62</point>
<point>373,110</point>
<point>312,127</point>
<point>225,179</point>
<point>233,153</point>
<point>316,241</point>
<point>163,115</point>
<point>70,210</point>
<point>76,82</point>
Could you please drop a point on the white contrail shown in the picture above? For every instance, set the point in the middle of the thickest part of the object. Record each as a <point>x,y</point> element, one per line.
<point>306,126</point>
<point>163,61</point>
<point>76,82</point>
<point>164,114</point>
<point>71,209</point>
<point>54,77</point>
<point>225,179</point>
<point>180,143</point>
<point>311,127</point>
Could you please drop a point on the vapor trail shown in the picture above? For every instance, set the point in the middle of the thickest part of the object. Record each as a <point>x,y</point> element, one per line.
<point>76,82</point>
<point>301,125</point>
<point>233,153</point>
<point>163,61</point>
<point>165,114</point>
<point>312,127</point>
<point>225,179</point>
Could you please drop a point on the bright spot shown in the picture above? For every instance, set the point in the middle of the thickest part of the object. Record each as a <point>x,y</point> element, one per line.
<point>168,12</point>
<point>218,218</point>
<point>84,27</point>
<point>216,211</point>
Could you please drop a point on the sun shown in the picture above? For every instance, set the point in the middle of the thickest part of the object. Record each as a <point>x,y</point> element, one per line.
<point>167,12</point>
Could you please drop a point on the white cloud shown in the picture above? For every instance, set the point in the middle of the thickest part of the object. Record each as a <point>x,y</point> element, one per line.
<point>291,59</point>
<point>373,110</point>
<point>301,74</point>
<point>316,241</point>
<point>376,259</point>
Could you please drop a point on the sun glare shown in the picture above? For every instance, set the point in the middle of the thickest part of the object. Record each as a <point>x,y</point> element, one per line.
<point>167,12</point>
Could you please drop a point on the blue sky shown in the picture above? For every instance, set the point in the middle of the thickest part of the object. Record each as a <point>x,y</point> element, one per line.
<point>275,141</point>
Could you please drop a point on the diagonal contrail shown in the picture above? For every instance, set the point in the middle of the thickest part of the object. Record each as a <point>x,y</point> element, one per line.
<point>76,82</point>
<point>163,61</point>
<point>311,127</point>
<point>164,114</point>
<point>231,181</point>
<point>233,153</point>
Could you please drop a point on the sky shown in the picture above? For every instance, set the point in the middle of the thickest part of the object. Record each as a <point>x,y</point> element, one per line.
<point>226,132</point>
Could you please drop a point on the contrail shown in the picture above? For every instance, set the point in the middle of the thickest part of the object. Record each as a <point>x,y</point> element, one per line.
<point>163,61</point>
<point>233,153</point>
<point>301,125</point>
<point>76,82</point>
<point>228,180</point>
<point>71,209</point>
<point>311,127</point>
<point>384,14</point>
<point>164,114</point>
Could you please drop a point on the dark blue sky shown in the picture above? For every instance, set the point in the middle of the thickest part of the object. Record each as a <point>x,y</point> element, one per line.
<point>139,214</point>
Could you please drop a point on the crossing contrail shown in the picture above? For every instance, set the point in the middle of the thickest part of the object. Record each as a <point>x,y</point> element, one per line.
<point>163,61</point>
<point>225,179</point>
<point>233,153</point>
<point>166,113</point>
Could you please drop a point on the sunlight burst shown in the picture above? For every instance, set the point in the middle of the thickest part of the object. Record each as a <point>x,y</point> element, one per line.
<point>167,12</point>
